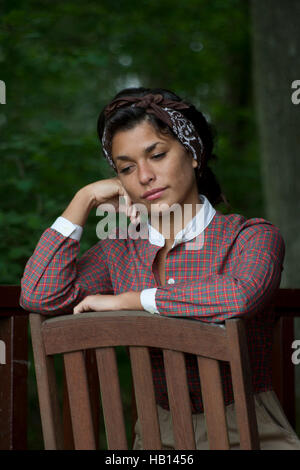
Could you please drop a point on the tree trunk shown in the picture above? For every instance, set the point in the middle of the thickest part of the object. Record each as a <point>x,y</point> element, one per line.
<point>276,57</point>
<point>276,54</point>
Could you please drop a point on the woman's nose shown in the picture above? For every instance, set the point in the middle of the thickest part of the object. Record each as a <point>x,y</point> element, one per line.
<point>145,173</point>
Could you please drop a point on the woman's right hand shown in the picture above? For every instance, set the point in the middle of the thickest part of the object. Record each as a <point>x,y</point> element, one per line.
<point>110,191</point>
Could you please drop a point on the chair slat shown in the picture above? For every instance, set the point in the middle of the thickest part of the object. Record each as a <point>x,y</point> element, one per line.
<point>145,397</point>
<point>47,389</point>
<point>94,391</point>
<point>242,385</point>
<point>111,399</point>
<point>213,401</point>
<point>179,399</point>
<point>80,406</point>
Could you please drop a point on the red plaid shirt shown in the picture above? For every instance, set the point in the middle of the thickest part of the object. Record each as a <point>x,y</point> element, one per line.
<point>235,273</point>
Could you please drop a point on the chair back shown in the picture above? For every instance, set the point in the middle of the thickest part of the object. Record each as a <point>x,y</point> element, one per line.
<point>72,335</point>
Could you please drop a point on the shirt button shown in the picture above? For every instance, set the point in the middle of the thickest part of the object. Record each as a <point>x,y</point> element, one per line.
<point>171,281</point>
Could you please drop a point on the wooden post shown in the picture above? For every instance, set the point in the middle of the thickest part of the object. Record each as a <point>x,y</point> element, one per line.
<point>14,370</point>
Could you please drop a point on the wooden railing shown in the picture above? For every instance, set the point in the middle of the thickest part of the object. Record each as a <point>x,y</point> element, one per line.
<point>14,372</point>
<point>287,305</point>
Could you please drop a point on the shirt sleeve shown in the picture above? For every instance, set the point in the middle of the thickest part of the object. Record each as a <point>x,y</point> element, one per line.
<point>54,280</point>
<point>245,290</point>
<point>67,228</point>
<point>147,297</point>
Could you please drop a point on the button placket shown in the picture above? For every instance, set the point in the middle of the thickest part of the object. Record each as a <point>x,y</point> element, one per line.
<point>169,280</point>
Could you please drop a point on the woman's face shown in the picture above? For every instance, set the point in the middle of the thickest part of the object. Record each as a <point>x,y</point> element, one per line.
<point>147,160</point>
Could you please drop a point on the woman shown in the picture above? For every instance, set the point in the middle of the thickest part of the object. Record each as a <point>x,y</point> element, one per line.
<point>202,264</point>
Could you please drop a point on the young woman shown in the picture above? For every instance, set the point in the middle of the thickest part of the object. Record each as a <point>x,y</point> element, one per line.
<point>201,264</point>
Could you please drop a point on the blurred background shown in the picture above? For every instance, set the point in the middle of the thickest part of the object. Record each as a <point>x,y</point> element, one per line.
<point>63,61</point>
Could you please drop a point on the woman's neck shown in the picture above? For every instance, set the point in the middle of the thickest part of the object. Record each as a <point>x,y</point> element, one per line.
<point>171,222</point>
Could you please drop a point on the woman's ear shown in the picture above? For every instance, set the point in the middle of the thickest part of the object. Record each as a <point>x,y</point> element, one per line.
<point>194,163</point>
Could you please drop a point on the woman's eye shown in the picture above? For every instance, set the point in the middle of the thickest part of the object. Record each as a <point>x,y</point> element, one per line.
<point>159,155</point>
<point>124,170</point>
<point>155,157</point>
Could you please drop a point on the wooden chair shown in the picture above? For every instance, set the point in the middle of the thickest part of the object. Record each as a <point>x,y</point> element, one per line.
<point>72,335</point>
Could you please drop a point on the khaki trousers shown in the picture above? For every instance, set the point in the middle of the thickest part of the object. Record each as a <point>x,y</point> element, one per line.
<point>275,432</point>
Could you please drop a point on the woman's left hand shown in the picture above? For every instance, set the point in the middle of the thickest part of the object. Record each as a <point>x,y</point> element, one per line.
<point>100,302</point>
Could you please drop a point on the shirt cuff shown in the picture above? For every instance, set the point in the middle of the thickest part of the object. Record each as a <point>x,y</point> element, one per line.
<point>67,228</point>
<point>147,298</point>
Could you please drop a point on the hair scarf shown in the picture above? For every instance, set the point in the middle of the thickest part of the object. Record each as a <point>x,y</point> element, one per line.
<point>165,109</point>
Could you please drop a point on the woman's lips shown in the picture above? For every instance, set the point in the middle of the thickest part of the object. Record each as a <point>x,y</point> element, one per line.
<point>155,195</point>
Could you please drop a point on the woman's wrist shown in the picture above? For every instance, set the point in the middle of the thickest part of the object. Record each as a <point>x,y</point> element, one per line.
<point>129,301</point>
<point>79,208</point>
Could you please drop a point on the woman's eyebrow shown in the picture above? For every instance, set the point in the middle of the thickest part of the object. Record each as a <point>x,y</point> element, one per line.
<point>146,150</point>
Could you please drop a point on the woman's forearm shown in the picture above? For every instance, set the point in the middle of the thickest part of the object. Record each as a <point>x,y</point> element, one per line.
<point>130,301</point>
<point>79,208</point>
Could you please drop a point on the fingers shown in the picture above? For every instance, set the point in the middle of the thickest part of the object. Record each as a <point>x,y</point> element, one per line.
<point>131,212</point>
<point>129,209</point>
<point>83,306</point>
<point>128,204</point>
<point>124,201</point>
<point>78,309</point>
<point>134,215</point>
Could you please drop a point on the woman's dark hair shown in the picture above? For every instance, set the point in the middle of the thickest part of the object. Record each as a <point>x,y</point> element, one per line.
<point>125,118</point>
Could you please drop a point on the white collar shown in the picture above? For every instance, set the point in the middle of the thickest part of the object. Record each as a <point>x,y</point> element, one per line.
<point>196,226</point>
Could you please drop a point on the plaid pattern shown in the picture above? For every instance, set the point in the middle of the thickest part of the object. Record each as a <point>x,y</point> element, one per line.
<point>235,273</point>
